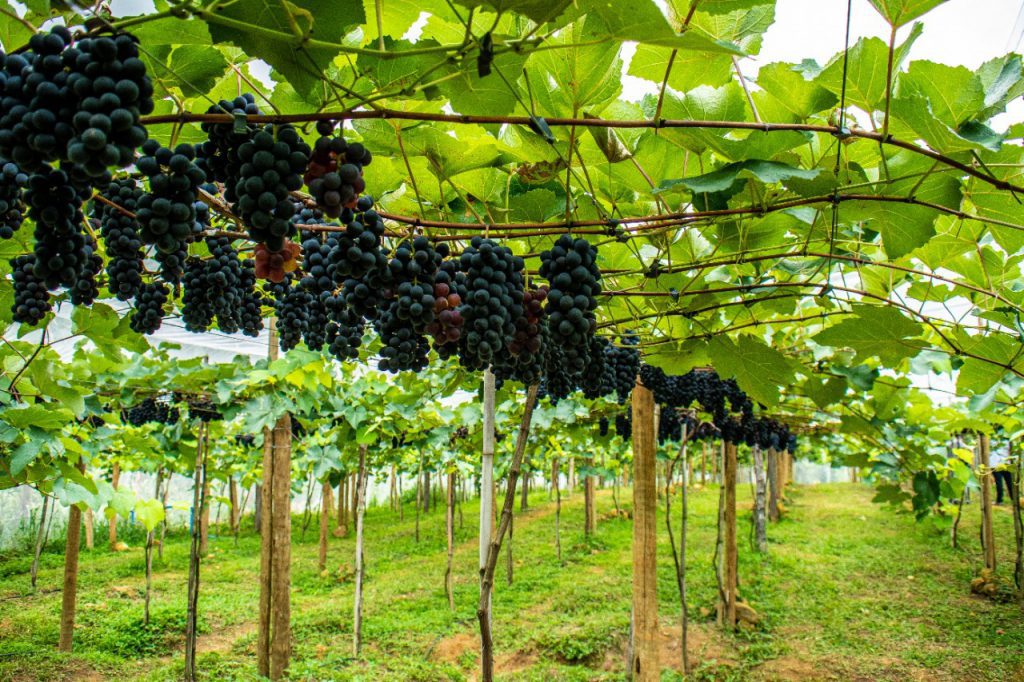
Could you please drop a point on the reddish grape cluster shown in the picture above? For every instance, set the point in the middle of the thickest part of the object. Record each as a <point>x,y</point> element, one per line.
<point>527,338</point>
<point>447,324</point>
<point>273,265</point>
<point>335,171</point>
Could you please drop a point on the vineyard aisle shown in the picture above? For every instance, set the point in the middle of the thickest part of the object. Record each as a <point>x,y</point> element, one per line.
<point>847,591</point>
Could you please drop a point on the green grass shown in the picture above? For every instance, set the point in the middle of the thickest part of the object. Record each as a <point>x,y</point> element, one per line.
<point>848,591</point>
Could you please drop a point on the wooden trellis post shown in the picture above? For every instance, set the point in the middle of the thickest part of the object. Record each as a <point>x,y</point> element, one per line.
<point>986,502</point>
<point>273,638</point>
<point>644,666</point>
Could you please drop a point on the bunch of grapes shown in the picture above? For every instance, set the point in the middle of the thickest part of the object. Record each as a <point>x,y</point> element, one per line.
<point>624,364</point>
<point>316,262</point>
<point>31,298</point>
<point>196,307</point>
<point>624,425</point>
<point>152,410</point>
<point>449,294</point>
<point>203,409</point>
<point>602,426</point>
<point>345,333</point>
<point>571,269</point>
<point>273,162</point>
<point>167,214</point>
<point>599,379</point>
<point>38,104</point>
<point>559,380</point>
<point>112,90</point>
<point>492,304</point>
<point>61,245</point>
<point>250,312</point>
<point>315,331</point>
<point>218,155</point>
<point>120,233</point>
<point>74,103</point>
<point>149,308</point>
<point>291,306</point>
<point>357,249</point>
<point>402,324</point>
<point>85,290</point>
<point>335,173</point>
<point>12,181</point>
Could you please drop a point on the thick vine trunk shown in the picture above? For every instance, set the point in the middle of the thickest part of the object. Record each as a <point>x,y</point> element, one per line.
<point>449,528</point>
<point>760,501</point>
<point>199,489</point>
<point>357,619</point>
<point>729,571</point>
<point>490,556</point>
<point>987,538</point>
<point>40,535</point>
<point>70,592</point>
<point>773,485</point>
<point>644,665</point>
<point>115,481</point>
<point>326,493</point>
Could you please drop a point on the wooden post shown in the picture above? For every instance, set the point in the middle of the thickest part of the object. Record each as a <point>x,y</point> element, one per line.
<point>570,479</point>
<point>273,639</point>
<point>449,527</point>
<point>730,552</point>
<point>773,485</point>
<point>115,479</point>
<point>326,502</point>
<point>235,508</point>
<point>644,666</point>
<point>199,489</point>
<point>87,521</point>
<point>987,539</point>
<point>357,605</point>
<point>266,554</point>
<point>70,592</point>
<point>556,485</point>
<point>703,463</point>
<point>280,601</point>
<point>760,500</point>
<point>342,527</point>
<point>204,519</point>
<point>487,485</point>
<point>589,511</point>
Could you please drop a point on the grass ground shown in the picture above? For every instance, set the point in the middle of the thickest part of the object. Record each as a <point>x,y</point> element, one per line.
<point>849,590</point>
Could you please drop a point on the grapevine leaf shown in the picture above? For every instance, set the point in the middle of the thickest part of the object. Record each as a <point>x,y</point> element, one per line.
<point>758,369</point>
